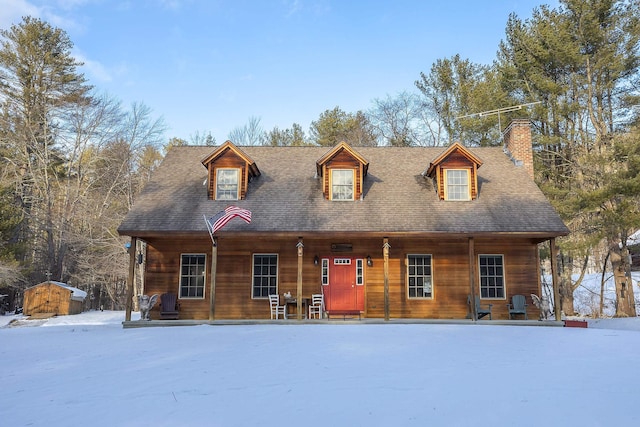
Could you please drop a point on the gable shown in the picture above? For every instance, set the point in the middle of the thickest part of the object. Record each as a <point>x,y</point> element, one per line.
<point>455,158</point>
<point>342,157</point>
<point>228,157</point>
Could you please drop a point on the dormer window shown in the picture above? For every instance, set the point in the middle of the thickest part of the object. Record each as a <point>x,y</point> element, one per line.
<point>229,172</point>
<point>342,171</point>
<point>457,184</point>
<point>455,173</point>
<point>227,184</point>
<point>342,184</point>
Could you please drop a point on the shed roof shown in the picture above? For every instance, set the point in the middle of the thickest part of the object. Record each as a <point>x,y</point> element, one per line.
<point>76,294</point>
<point>397,198</point>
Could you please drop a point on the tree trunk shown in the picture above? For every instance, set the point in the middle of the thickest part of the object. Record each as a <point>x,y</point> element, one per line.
<point>566,294</point>
<point>566,285</point>
<point>625,300</point>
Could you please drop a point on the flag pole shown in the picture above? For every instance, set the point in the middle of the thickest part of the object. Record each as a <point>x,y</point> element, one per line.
<point>216,223</point>
<point>214,266</point>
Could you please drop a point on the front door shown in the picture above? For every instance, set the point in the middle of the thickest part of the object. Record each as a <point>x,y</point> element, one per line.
<point>344,292</point>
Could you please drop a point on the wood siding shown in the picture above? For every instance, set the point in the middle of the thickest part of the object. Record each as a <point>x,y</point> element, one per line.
<point>457,160</point>
<point>50,298</point>
<point>450,274</point>
<point>343,160</point>
<point>232,161</point>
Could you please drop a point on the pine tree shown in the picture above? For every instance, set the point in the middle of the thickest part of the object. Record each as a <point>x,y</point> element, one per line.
<point>581,60</point>
<point>39,81</point>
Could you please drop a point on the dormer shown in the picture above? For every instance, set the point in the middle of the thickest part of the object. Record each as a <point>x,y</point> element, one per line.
<point>455,172</point>
<point>230,171</point>
<point>342,171</point>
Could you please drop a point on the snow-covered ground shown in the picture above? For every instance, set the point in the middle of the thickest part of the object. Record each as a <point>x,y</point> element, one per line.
<point>87,370</point>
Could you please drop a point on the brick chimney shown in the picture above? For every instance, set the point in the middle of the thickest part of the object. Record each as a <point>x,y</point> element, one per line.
<point>517,144</point>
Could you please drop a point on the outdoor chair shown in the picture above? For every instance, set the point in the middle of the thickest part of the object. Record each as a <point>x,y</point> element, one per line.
<point>480,311</point>
<point>169,306</point>
<point>316,306</point>
<point>518,306</point>
<point>276,308</point>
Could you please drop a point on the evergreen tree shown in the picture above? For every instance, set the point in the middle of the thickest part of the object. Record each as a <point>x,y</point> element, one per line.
<point>334,126</point>
<point>39,82</point>
<point>581,60</point>
<point>456,91</point>
<point>286,137</point>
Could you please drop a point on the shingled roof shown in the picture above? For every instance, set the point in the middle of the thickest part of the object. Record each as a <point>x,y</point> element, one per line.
<point>287,197</point>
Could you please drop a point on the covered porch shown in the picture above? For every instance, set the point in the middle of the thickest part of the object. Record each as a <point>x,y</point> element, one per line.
<point>380,281</point>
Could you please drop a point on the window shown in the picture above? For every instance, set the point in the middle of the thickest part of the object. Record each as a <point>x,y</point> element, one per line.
<point>457,184</point>
<point>227,184</point>
<point>342,184</point>
<point>325,271</point>
<point>491,276</point>
<point>359,272</point>
<point>192,275</point>
<point>419,276</point>
<point>265,275</point>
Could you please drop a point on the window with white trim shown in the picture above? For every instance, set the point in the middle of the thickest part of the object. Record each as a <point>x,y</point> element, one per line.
<point>359,271</point>
<point>342,184</point>
<point>265,275</point>
<point>419,279</point>
<point>491,276</point>
<point>457,184</point>
<point>227,184</point>
<point>325,271</point>
<point>192,275</point>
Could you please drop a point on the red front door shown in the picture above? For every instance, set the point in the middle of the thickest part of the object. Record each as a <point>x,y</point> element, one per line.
<point>343,294</point>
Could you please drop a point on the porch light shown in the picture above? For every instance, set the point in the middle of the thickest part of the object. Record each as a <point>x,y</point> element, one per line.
<point>316,260</point>
<point>369,261</point>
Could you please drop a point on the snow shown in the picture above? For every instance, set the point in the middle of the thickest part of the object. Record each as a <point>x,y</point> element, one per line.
<point>87,370</point>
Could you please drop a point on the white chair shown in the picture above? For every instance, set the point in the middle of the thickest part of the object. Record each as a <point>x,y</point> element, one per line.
<point>276,308</point>
<point>316,306</point>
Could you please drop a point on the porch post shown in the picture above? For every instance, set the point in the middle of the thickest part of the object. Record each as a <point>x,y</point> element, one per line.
<point>385,254</point>
<point>212,279</point>
<point>300,247</point>
<point>472,279</point>
<point>132,274</point>
<point>554,279</point>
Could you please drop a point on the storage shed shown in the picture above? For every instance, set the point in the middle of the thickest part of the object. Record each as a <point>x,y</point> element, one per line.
<point>53,297</point>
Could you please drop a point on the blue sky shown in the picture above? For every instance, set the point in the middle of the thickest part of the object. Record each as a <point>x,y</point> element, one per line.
<point>210,65</point>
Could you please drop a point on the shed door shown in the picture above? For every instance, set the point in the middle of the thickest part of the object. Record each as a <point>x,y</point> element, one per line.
<point>46,300</point>
<point>343,295</point>
<point>53,299</point>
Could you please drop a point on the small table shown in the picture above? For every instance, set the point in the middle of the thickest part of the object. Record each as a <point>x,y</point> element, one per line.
<point>293,302</point>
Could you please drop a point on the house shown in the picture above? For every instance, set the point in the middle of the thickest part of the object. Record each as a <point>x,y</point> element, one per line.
<point>53,298</point>
<point>382,232</point>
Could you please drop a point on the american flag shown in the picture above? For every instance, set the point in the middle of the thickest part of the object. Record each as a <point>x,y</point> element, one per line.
<point>223,217</point>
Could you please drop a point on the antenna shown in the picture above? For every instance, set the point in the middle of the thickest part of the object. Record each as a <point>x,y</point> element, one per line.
<point>498,111</point>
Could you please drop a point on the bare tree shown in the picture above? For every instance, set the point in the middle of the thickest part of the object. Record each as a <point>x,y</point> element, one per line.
<point>200,138</point>
<point>249,134</point>
<point>396,119</point>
